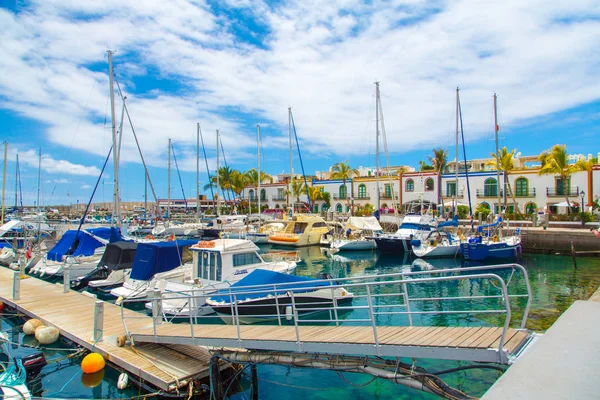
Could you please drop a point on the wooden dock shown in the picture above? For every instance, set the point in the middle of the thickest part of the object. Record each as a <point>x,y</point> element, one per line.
<point>164,366</point>
<point>453,343</point>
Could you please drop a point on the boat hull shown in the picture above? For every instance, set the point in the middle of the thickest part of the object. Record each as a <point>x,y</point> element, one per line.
<point>483,251</point>
<point>437,252</point>
<point>392,245</point>
<point>353,245</point>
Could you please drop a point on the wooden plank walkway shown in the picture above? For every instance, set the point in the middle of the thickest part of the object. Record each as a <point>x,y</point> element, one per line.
<point>164,366</point>
<point>456,343</point>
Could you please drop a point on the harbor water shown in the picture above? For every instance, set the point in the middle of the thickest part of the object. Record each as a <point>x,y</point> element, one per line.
<point>555,282</point>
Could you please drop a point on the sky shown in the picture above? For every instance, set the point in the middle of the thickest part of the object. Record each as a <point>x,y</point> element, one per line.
<point>234,64</point>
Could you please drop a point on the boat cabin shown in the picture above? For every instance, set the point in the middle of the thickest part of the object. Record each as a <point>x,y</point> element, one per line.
<point>224,258</point>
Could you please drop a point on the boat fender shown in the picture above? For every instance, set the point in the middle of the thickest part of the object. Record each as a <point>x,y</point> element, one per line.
<point>288,313</point>
<point>415,243</point>
<point>30,326</point>
<point>92,363</point>
<point>121,340</point>
<point>46,334</point>
<point>123,381</point>
<point>1,306</point>
<point>119,301</point>
<point>495,238</point>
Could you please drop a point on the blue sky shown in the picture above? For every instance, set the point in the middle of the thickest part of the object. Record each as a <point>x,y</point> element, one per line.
<point>231,65</point>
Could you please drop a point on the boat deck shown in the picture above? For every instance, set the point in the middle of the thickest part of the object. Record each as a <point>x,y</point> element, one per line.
<point>164,366</point>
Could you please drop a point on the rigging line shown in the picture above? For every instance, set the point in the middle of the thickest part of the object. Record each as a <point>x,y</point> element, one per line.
<point>179,175</point>
<point>462,134</point>
<point>226,166</point>
<point>206,162</point>
<point>138,146</point>
<point>301,163</point>
<point>87,208</point>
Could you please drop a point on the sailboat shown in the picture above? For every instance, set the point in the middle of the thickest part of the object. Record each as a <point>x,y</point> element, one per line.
<point>400,241</point>
<point>489,242</point>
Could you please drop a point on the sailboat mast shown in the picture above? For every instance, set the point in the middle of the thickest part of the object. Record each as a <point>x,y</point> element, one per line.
<point>218,183</point>
<point>291,166</point>
<point>17,183</point>
<point>116,211</point>
<point>169,183</point>
<point>145,194</point>
<point>198,170</point>
<point>497,153</point>
<point>4,179</point>
<point>39,178</point>
<point>377,144</point>
<point>456,160</point>
<point>258,192</point>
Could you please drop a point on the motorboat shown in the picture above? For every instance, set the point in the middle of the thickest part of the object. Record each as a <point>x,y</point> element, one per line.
<point>357,234</point>
<point>113,268</point>
<point>491,244</point>
<point>78,250</point>
<point>260,235</point>
<point>412,225</point>
<point>159,261</point>
<point>303,230</point>
<point>271,296</point>
<point>7,254</point>
<point>18,232</point>
<point>216,264</point>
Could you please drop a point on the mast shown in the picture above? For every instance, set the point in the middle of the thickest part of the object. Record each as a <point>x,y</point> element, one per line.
<point>456,161</point>
<point>218,183</point>
<point>116,206</point>
<point>4,179</point>
<point>258,146</point>
<point>377,143</point>
<point>17,183</point>
<point>145,194</point>
<point>291,166</point>
<point>39,178</point>
<point>497,153</point>
<point>198,170</point>
<point>169,183</point>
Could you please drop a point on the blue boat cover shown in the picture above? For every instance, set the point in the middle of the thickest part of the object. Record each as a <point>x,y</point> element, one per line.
<point>489,226</point>
<point>452,222</point>
<point>265,277</point>
<point>86,244</point>
<point>152,258</point>
<point>5,244</point>
<point>103,232</point>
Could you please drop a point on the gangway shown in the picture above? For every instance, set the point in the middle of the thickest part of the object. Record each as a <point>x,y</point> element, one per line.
<point>391,316</point>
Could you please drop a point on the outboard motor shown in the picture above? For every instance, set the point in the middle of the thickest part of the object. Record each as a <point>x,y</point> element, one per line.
<point>324,275</point>
<point>33,364</point>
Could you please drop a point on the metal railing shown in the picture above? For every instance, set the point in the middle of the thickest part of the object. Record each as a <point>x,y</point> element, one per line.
<point>279,198</point>
<point>488,193</point>
<point>450,194</point>
<point>530,192</point>
<point>338,197</point>
<point>377,299</point>
<point>555,192</point>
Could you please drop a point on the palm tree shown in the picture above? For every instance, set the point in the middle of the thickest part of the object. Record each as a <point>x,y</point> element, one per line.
<point>505,161</point>
<point>297,189</point>
<point>556,162</point>
<point>224,181</point>
<point>423,166</point>
<point>252,177</point>
<point>316,193</point>
<point>343,171</point>
<point>439,162</point>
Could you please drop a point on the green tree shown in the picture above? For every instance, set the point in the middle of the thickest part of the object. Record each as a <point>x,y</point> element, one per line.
<point>556,162</point>
<point>438,162</point>
<point>252,177</point>
<point>297,189</point>
<point>343,171</point>
<point>506,163</point>
<point>588,166</point>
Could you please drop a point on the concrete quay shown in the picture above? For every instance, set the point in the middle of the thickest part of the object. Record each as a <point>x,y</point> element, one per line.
<point>562,364</point>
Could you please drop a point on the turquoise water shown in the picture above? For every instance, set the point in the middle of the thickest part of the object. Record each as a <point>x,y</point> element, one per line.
<point>555,284</point>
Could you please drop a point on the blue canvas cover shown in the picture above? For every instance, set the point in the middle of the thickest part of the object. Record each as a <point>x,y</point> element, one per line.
<point>152,258</point>
<point>266,277</point>
<point>102,232</point>
<point>85,246</point>
<point>452,222</point>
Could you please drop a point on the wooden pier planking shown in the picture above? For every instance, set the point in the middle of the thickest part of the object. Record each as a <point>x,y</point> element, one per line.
<point>72,313</point>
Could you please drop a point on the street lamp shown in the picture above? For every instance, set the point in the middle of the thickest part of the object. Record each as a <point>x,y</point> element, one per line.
<point>582,216</point>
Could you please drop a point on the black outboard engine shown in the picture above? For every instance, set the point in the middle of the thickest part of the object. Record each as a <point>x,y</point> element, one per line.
<point>33,364</point>
<point>324,275</point>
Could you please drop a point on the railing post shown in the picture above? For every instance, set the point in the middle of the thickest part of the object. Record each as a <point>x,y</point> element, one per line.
<point>237,318</point>
<point>372,316</point>
<point>295,310</point>
<point>98,321</point>
<point>66,280</point>
<point>277,304</point>
<point>16,295</point>
<point>335,305</point>
<point>156,309</point>
<point>407,302</point>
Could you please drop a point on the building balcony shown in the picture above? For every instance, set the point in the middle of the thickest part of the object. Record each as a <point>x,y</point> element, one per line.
<point>449,195</point>
<point>388,197</point>
<point>279,198</point>
<point>255,200</point>
<point>569,192</point>
<point>362,198</point>
<point>488,193</point>
<point>338,197</point>
<point>525,193</point>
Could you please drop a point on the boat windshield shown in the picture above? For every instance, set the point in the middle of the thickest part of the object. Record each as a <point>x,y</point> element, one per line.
<point>210,266</point>
<point>245,259</point>
<point>416,227</point>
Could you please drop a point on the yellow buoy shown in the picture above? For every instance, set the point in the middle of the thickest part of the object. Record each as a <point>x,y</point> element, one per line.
<point>92,380</point>
<point>30,326</point>
<point>91,363</point>
<point>46,334</point>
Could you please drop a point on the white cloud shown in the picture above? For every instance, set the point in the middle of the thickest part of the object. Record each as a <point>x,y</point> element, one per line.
<point>86,186</point>
<point>319,57</point>
<point>53,166</point>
